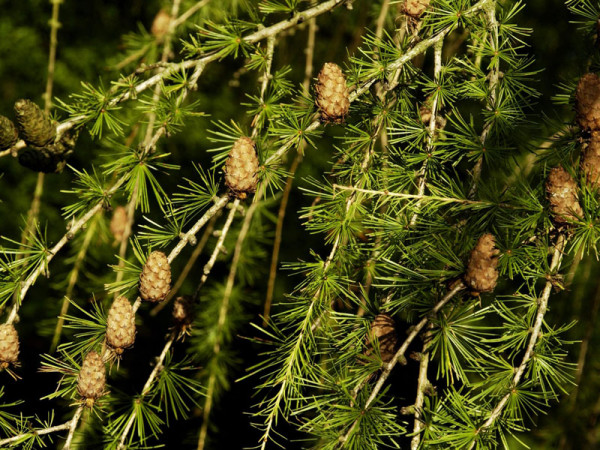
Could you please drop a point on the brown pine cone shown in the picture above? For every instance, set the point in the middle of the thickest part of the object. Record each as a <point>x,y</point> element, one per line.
<point>155,280</point>
<point>587,102</point>
<point>118,223</point>
<point>160,24</point>
<point>590,160</point>
<point>9,345</point>
<point>120,325</point>
<point>415,8</point>
<point>8,133</point>
<point>241,168</point>
<point>332,94</point>
<point>561,190</point>
<point>482,272</point>
<point>92,378</point>
<point>183,311</point>
<point>34,124</point>
<point>383,328</point>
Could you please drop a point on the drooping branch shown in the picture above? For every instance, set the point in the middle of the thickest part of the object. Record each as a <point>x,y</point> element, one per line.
<point>388,367</point>
<point>536,331</point>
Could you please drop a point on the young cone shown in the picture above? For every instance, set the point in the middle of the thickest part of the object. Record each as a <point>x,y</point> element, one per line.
<point>241,168</point>
<point>183,311</point>
<point>561,190</point>
<point>415,8</point>
<point>92,378</point>
<point>587,102</point>
<point>9,345</point>
<point>332,95</point>
<point>590,160</point>
<point>482,272</point>
<point>183,314</point>
<point>8,133</point>
<point>35,126</point>
<point>120,327</point>
<point>118,223</point>
<point>155,280</point>
<point>160,24</point>
<point>383,328</point>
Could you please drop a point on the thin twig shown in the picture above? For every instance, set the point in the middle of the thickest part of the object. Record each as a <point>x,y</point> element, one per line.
<point>75,227</point>
<point>40,432</point>
<point>223,310</point>
<point>157,368</point>
<point>557,256</point>
<point>278,237</point>
<point>388,367</point>
<point>432,126</point>
<point>493,84</point>
<point>422,384</point>
<point>308,72</point>
<point>423,197</point>
<point>73,277</point>
<point>73,427</point>
<point>219,247</point>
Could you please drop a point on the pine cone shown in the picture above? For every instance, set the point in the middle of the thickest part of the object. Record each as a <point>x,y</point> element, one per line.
<point>332,95</point>
<point>383,328</point>
<point>9,345</point>
<point>155,280</point>
<point>183,310</point>
<point>92,377</point>
<point>34,124</point>
<point>561,190</point>
<point>587,102</point>
<point>415,8</point>
<point>118,223</point>
<point>160,24</point>
<point>590,160</point>
<point>482,272</point>
<point>241,168</point>
<point>120,326</point>
<point>8,133</point>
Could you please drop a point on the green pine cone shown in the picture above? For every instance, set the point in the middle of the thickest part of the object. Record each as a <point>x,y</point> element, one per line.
<point>8,133</point>
<point>35,126</point>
